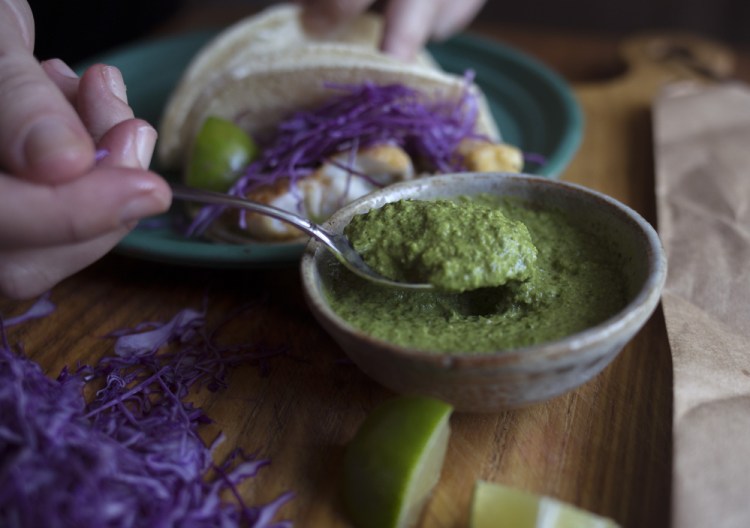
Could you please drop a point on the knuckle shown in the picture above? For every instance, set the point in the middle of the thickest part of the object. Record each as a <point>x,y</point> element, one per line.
<point>17,78</point>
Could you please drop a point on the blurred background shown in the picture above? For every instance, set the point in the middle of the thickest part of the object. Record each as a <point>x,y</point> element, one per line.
<point>726,20</point>
<point>77,31</point>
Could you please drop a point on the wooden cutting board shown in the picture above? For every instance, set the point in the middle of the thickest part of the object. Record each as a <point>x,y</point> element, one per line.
<point>619,145</point>
<point>605,447</point>
<point>616,156</point>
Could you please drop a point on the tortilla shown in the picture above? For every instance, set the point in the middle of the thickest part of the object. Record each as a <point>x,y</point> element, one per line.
<point>264,67</point>
<point>256,40</point>
<point>256,100</point>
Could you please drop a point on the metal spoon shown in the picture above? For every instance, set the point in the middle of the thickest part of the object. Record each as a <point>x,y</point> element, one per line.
<point>336,243</point>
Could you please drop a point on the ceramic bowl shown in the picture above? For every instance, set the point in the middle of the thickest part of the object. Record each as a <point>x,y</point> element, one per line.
<point>489,382</point>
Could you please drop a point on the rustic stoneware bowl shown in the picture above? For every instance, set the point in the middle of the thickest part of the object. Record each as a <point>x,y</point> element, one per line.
<point>506,378</point>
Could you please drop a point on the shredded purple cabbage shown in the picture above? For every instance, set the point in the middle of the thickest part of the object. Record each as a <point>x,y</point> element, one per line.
<point>132,457</point>
<point>100,154</point>
<point>358,117</point>
<point>535,158</point>
<point>41,308</point>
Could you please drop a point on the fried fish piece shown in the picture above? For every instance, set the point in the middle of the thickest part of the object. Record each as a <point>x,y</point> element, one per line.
<point>486,156</point>
<point>338,181</point>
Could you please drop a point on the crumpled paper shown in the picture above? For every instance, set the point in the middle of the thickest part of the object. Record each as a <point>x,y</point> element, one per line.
<point>702,151</point>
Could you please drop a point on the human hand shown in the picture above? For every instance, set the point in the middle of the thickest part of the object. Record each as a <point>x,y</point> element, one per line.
<point>409,24</point>
<point>59,209</point>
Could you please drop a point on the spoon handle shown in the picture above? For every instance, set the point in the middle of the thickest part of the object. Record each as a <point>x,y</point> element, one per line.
<point>183,192</point>
<point>336,243</point>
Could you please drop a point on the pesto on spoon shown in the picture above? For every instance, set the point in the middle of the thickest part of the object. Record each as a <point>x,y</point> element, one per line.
<point>455,246</point>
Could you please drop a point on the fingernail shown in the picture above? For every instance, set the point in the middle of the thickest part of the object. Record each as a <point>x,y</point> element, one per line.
<point>60,67</point>
<point>52,139</point>
<point>144,145</point>
<point>145,204</point>
<point>115,82</point>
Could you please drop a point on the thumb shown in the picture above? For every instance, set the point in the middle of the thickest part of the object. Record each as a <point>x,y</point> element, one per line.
<point>41,136</point>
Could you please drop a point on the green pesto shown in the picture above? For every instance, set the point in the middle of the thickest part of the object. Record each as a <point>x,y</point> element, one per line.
<point>577,282</point>
<point>438,242</point>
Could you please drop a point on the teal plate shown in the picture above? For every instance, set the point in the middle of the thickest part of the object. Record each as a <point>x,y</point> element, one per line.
<point>532,105</point>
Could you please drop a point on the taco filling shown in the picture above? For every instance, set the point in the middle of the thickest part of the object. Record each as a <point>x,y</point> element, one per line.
<point>364,137</point>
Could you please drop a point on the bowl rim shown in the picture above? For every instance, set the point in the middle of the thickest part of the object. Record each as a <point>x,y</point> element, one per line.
<point>571,347</point>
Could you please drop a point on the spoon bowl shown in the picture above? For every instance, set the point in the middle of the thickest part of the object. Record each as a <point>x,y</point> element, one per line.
<point>336,243</point>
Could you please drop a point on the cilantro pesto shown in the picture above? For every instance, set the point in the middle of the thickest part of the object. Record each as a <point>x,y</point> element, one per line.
<point>454,246</point>
<point>576,281</point>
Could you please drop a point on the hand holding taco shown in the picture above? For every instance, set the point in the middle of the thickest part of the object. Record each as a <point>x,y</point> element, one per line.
<point>408,23</point>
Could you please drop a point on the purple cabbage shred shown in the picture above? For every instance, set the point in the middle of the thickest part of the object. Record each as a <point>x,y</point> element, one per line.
<point>360,116</point>
<point>100,154</point>
<point>41,308</point>
<point>535,158</point>
<point>132,456</point>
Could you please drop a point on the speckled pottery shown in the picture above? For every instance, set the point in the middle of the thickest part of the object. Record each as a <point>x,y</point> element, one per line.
<point>506,378</point>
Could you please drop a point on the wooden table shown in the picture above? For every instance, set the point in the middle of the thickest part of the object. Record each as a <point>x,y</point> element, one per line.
<point>605,447</point>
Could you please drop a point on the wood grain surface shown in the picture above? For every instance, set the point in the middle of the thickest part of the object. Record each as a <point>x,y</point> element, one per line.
<point>605,447</point>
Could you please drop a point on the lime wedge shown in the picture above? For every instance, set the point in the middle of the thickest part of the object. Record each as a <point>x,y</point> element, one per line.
<point>496,505</point>
<point>220,151</point>
<point>394,461</point>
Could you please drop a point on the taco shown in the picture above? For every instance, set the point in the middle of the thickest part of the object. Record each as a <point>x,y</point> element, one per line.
<point>334,120</point>
<point>276,33</point>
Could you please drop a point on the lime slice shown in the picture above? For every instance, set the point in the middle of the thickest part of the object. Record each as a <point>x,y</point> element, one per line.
<point>496,505</point>
<point>394,461</point>
<point>220,151</point>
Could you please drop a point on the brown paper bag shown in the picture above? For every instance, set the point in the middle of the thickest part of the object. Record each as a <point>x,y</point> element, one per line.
<point>702,140</point>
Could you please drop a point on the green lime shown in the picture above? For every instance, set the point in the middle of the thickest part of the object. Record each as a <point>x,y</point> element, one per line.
<point>220,151</point>
<point>394,461</point>
<point>497,505</point>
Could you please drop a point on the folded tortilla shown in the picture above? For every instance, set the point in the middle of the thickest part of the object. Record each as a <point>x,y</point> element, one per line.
<point>267,66</point>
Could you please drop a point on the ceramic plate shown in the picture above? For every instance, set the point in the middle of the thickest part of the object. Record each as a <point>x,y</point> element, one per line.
<point>533,107</point>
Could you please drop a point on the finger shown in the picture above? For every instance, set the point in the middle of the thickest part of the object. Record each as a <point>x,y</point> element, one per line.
<point>105,200</point>
<point>407,27</point>
<point>64,78</point>
<point>322,16</point>
<point>41,136</point>
<point>30,272</point>
<point>453,16</point>
<point>128,144</point>
<point>102,100</point>
<point>16,17</point>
